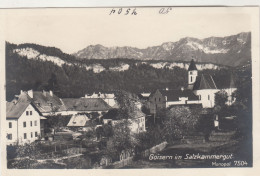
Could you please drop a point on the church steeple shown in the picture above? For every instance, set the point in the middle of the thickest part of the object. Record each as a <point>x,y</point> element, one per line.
<point>192,66</point>
<point>192,74</point>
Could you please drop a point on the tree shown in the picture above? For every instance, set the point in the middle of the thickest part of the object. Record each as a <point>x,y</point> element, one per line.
<point>121,139</point>
<point>127,103</point>
<point>221,98</point>
<point>179,121</point>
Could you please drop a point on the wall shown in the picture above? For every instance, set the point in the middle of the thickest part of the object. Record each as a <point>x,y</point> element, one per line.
<point>138,125</point>
<point>12,131</point>
<point>28,129</point>
<point>207,97</point>
<point>154,149</point>
<point>156,101</point>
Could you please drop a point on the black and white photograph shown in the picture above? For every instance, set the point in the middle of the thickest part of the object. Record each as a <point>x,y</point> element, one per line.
<point>129,87</point>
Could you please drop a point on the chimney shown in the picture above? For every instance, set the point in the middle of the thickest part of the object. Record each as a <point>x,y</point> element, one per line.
<point>15,100</point>
<point>51,93</point>
<point>30,93</point>
<point>21,91</point>
<point>182,88</point>
<point>167,88</point>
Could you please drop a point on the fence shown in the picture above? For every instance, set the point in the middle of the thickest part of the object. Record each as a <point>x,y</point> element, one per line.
<point>154,149</point>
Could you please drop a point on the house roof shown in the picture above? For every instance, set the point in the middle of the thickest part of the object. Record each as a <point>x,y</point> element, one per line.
<point>192,66</point>
<point>46,102</point>
<point>225,82</point>
<point>16,107</point>
<point>204,82</point>
<point>144,96</point>
<point>78,121</point>
<point>174,95</point>
<point>85,104</point>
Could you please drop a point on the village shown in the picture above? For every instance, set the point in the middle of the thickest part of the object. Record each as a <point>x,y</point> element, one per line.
<point>116,129</point>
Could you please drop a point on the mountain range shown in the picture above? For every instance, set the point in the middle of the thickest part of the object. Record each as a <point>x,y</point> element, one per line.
<point>232,50</point>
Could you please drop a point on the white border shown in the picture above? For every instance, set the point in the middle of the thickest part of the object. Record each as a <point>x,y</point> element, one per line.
<point>114,3</point>
<point>199,171</point>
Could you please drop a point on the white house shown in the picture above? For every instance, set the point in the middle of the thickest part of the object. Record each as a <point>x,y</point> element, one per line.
<point>23,120</point>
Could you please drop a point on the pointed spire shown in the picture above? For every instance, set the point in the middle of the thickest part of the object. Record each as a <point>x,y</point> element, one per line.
<point>232,82</point>
<point>192,65</point>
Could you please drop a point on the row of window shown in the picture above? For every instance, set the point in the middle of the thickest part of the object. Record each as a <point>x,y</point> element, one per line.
<point>24,124</point>
<point>158,99</point>
<point>31,123</point>
<point>200,97</point>
<point>28,113</point>
<point>10,136</point>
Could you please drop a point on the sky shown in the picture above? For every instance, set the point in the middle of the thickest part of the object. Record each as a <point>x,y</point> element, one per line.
<point>74,29</point>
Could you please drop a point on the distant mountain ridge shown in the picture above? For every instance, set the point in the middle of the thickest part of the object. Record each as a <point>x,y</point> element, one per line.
<point>232,50</point>
<point>58,58</point>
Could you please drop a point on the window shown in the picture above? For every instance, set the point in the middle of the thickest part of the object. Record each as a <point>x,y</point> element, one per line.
<point>24,135</point>
<point>31,134</point>
<point>159,99</point>
<point>31,123</point>
<point>199,97</point>
<point>190,79</point>
<point>35,123</point>
<point>9,136</point>
<point>30,112</point>
<point>191,72</point>
<point>10,124</point>
<point>208,97</point>
<point>24,124</point>
<point>27,113</point>
<point>154,99</point>
<point>36,134</point>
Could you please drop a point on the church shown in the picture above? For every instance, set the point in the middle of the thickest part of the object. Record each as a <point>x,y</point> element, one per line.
<point>205,87</point>
<point>199,92</point>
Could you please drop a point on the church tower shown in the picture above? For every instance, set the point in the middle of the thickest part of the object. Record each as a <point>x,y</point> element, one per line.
<point>192,74</point>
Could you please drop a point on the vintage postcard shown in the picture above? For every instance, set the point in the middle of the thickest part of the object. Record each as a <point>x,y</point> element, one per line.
<point>92,89</point>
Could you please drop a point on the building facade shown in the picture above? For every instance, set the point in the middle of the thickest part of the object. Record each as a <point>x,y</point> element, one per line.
<point>23,121</point>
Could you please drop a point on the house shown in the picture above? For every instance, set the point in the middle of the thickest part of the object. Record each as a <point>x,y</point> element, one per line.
<point>166,98</point>
<point>109,98</point>
<point>136,124</point>
<point>204,86</point>
<point>180,97</point>
<point>47,102</point>
<point>84,105</point>
<point>23,120</point>
<point>156,101</point>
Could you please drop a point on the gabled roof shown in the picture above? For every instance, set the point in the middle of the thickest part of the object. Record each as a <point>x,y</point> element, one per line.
<point>16,107</point>
<point>174,95</point>
<point>46,102</point>
<point>78,121</point>
<point>204,82</point>
<point>85,104</point>
<point>192,66</point>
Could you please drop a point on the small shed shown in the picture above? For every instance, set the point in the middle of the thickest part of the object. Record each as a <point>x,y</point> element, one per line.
<point>78,121</point>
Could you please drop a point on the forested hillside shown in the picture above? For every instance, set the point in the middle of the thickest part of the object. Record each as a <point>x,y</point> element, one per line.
<point>74,80</point>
